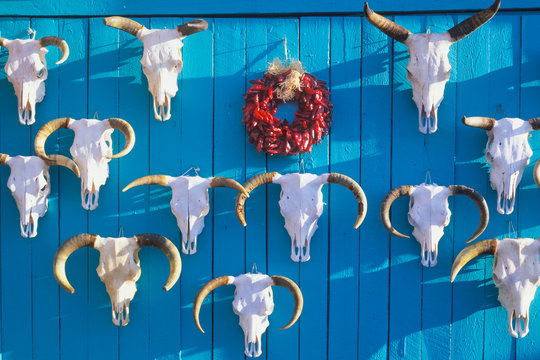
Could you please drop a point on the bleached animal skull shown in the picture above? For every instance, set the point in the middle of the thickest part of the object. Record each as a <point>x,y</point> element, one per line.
<point>253,302</point>
<point>91,150</point>
<point>162,57</point>
<point>429,214</point>
<point>429,67</point>
<point>189,202</point>
<point>26,69</point>
<point>508,152</point>
<point>119,266</point>
<point>516,272</point>
<point>30,187</point>
<point>301,204</point>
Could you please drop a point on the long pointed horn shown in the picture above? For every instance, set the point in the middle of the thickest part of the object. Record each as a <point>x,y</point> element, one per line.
<point>168,248</point>
<point>335,178</point>
<point>296,293</point>
<point>484,247</point>
<point>386,205</point>
<point>230,183</point>
<point>147,180</point>
<point>387,26</point>
<point>204,291</point>
<point>62,160</point>
<point>59,43</point>
<point>479,122</point>
<point>3,41</point>
<point>130,26</point>
<point>3,158</point>
<point>192,27</point>
<point>63,253</point>
<point>250,185</point>
<point>479,201</point>
<point>536,173</point>
<point>469,25</point>
<point>535,123</point>
<point>128,132</point>
<point>43,134</point>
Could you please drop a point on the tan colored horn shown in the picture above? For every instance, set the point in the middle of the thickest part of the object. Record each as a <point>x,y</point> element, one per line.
<point>469,25</point>
<point>230,183</point>
<point>249,186</point>
<point>386,205</point>
<point>192,27</point>
<point>535,123</point>
<point>3,158</point>
<point>479,122</point>
<point>168,248</point>
<point>63,253</point>
<point>387,26</point>
<point>536,173</point>
<point>148,180</point>
<point>3,41</point>
<point>45,131</point>
<point>335,178</point>
<point>296,293</point>
<point>479,201</point>
<point>130,26</point>
<point>128,132</point>
<point>484,247</point>
<point>204,291</point>
<point>62,160</point>
<point>59,43</point>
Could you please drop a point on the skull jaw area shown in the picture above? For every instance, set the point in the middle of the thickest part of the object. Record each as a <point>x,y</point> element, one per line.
<point>253,348</point>
<point>429,242</point>
<point>300,250</point>
<point>120,313</point>
<point>506,191</point>
<point>159,108</point>
<point>427,123</point>
<point>29,226</point>
<point>517,330</point>
<point>189,245</point>
<point>90,198</point>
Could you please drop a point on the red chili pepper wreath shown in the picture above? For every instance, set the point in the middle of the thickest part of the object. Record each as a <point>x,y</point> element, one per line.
<point>274,136</point>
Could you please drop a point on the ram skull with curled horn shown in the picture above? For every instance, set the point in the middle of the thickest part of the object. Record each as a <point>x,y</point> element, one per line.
<point>26,69</point>
<point>429,68</point>
<point>91,150</point>
<point>30,186</point>
<point>301,204</point>
<point>429,214</point>
<point>119,266</point>
<point>189,202</point>
<point>516,272</point>
<point>508,152</point>
<point>253,303</point>
<point>162,57</point>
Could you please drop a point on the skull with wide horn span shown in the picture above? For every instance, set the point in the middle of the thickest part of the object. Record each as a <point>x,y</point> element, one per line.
<point>516,272</point>
<point>429,214</point>
<point>508,152</point>
<point>189,202</point>
<point>301,204</point>
<point>91,150</point>
<point>429,68</point>
<point>119,266</point>
<point>253,303</point>
<point>162,57</point>
<point>26,69</point>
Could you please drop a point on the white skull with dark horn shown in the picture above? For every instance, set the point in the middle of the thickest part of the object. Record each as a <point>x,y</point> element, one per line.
<point>162,57</point>
<point>253,302</point>
<point>119,266</point>
<point>26,69</point>
<point>429,214</point>
<point>429,67</point>
<point>91,150</point>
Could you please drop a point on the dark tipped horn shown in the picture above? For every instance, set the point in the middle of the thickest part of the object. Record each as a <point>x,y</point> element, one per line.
<point>386,205</point>
<point>192,27</point>
<point>130,26</point>
<point>230,183</point>
<point>357,192</point>
<point>470,252</point>
<point>297,296</point>
<point>387,26</point>
<point>3,158</point>
<point>59,43</point>
<point>45,131</point>
<point>63,253</point>
<point>536,173</point>
<point>479,201</point>
<point>168,248</point>
<point>479,122</point>
<point>250,185</point>
<point>535,123</point>
<point>204,291</point>
<point>3,41</point>
<point>128,132</point>
<point>469,25</point>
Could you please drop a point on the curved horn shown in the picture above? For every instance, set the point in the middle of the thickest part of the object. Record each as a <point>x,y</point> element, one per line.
<point>387,204</point>
<point>536,173</point>
<point>296,293</point>
<point>63,253</point>
<point>535,123</point>
<point>226,182</point>
<point>469,25</point>
<point>192,27</point>
<point>479,201</point>
<point>127,130</point>
<point>43,134</point>
<point>130,26</point>
<point>249,186</point>
<point>479,122</point>
<point>483,247</point>
<point>204,291</point>
<point>147,180</point>
<point>388,27</point>
<point>59,43</point>
<point>3,41</point>
<point>62,160</point>
<point>357,191</point>
<point>168,248</point>
<point>3,159</point>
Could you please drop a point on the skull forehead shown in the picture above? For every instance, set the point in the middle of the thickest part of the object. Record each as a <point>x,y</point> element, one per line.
<point>429,194</point>
<point>517,252</point>
<point>189,183</point>
<point>30,166</point>
<point>160,45</point>
<point>247,284</point>
<point>119,249</point>
<point>422,45</point>
<point>88,129</point>
<point>511,127</point>
<point>292,183</point>
<point>25,47</point>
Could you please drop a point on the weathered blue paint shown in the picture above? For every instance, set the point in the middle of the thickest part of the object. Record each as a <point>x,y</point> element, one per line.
<point>366,293</point>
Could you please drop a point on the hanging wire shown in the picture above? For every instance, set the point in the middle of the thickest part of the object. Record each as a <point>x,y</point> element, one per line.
<point>31,32</point>
<point>194,169</point>
<point>499,107</point>
<point>254,268</point>
<point>96,115</point>
<point>301,167</point>
<point>428,177</point>
<point>121,232</point>
<point>511,231</point>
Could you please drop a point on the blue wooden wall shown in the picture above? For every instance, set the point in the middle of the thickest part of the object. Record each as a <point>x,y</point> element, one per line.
<point>366,293</point>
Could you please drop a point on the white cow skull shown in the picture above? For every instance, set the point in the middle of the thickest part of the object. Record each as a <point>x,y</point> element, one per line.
<point>91,150</point>
<point>508,152</point>
<point>429,214</point>
<point>301,204</point>
<point>162,58</point>
<point>189,202</point>
<point>119,266</point>
<point>26,69</point>
<point>253,302</point>
<point>516,272</point>
<point>429,67</point>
